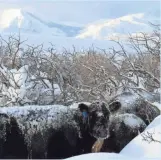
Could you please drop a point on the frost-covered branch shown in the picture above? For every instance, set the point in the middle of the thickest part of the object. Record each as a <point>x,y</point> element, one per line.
<point>36,75</point>
<point>147,136</point>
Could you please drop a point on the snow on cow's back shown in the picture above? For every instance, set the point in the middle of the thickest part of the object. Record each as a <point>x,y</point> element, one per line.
<point>25,110</point>
<point>35,120</point>
<point>75,105</point>
<point>38,117</point>
<point>126,99</point>
<point>131,98</point>
<point>130,120</point>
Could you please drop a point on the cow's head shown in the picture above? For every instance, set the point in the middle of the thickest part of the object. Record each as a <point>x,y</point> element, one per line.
<point>96,116</point>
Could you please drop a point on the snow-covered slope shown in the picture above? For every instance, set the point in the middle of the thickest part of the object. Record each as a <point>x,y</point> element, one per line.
<point>113,28</point>
<point>99,156</point>
<point>143,146</point>
<point>34,26</point>
<point>104,156</point>
<point>13,19</point>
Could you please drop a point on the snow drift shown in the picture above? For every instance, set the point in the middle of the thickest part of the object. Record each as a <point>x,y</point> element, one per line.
<point>147,144</point>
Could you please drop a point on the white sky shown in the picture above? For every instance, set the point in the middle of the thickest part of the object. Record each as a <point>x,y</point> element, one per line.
<point>83,12</point>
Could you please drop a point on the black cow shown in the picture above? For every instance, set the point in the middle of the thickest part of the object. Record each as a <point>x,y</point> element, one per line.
<point>51,131</point>
<point>12,144</point>
<point>128,108</point>
<point>127,102</point>
<point>122,128</point>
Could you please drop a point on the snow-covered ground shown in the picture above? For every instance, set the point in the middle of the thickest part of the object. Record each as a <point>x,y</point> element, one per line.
<point>158,105</point>
<point>137,149</point>
<point>99,156</point>
<point>104,156</point>
<point>143,146</point>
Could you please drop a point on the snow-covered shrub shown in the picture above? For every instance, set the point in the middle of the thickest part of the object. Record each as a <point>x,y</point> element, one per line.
<point>21,88</point>
<point>95,74</point>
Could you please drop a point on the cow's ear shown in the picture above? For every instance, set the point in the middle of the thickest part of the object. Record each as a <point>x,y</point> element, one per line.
<point>114,106</point>
<point>84,109</point>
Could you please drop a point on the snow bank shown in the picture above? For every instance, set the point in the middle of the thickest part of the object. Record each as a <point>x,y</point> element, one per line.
<point>141,148</point>
<point>156,122</point>
<point>99,156</point>
<point>103,156</point>
<point>158,105</point>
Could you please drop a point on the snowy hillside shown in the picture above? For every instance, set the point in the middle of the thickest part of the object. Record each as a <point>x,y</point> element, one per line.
<point>32,26</point>
<point>113,28</point>
<point>13,19</point>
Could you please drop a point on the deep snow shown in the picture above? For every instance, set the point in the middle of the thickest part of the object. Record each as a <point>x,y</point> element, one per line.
<point>141,148</point>
<point>102,156</point>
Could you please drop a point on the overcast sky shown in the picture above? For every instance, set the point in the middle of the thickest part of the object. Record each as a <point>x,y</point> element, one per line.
<point>83,12</point>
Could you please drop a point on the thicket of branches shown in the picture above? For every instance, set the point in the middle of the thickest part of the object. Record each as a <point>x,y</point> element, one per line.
<point>34,75</point>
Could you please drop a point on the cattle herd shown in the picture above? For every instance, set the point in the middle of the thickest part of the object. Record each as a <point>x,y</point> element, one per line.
<point>45,132</point>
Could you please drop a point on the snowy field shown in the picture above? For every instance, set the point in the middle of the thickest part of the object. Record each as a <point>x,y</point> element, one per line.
<point>147,145</point>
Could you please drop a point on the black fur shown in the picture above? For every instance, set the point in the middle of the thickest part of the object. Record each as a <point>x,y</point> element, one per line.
<point>54,132</point>
<point>12,142</point>
<point>122,132</point>
<point>130,103</point>
<point>124,105</point>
